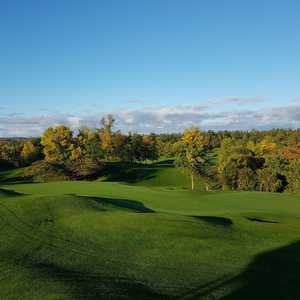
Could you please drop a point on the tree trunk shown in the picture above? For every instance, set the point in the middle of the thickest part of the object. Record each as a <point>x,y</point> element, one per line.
<point>207,187</point>
<point>193,184</point>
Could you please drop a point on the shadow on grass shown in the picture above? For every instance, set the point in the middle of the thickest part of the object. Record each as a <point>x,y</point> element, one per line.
<point>132,205</point>
<point>215,220</point>
<point>253,219</point>
<point>271,275</point>
<point>167,163</point>
<point>93,286</point>
<point>12,176</point>
<point>9,193</point>
<point>120,171</point>
<point>131,172</point>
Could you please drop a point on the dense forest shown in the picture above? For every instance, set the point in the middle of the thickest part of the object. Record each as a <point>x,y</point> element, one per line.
<point>266,161</point>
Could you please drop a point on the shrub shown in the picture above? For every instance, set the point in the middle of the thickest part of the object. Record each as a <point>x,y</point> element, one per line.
<point>42,171</point>
<point>269,180</point>
<point>86,168</point>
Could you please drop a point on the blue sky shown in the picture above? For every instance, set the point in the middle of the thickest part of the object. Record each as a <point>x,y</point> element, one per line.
<point>72,61</point>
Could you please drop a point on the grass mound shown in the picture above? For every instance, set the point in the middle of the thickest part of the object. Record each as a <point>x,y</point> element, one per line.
<point>9,193</point>
<point>108,240</point>
<point>159,174</point>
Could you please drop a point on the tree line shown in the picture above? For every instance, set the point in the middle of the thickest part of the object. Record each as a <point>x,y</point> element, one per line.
<point>266,161</point>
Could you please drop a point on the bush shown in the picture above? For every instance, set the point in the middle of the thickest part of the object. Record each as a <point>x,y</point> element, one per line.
<point>42,171</point>
<point>247,179</point>
<point>86,168</point>
<point>293,176</point>
<point>269,180</point>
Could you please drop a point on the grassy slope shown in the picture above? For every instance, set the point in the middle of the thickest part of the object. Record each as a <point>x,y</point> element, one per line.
<point>161,174</point>
<point>107,240</point>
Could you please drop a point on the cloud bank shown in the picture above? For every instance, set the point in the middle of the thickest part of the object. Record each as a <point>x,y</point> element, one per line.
<point>162,119</point>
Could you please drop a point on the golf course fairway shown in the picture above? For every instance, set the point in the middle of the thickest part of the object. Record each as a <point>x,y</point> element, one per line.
<point>111,240</point>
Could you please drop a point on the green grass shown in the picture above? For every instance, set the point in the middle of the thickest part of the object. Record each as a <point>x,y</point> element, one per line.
<point>159,174</point>
<point>146,239</point>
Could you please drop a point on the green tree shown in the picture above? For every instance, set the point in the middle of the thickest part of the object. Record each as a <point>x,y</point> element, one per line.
<point>228,150</point>
<point>87,143</point>
<point>240,172</point>
<point>149,147</point>
<point>134,147</point>
<point>237,165</point>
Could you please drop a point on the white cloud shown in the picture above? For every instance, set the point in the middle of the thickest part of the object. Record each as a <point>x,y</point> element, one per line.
<point>160,119</point>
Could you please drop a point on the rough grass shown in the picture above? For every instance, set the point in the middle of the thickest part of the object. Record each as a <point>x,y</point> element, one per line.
<point>146,240</point>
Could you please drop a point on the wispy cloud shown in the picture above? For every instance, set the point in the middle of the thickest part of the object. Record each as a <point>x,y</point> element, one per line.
<point>241,100</point>
<point>2,110</point>
<point>135,102</point>
<point>161,119</point>
<point>234,100</point>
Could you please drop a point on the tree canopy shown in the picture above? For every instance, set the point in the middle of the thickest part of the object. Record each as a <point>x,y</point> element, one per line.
<point>267,161</point>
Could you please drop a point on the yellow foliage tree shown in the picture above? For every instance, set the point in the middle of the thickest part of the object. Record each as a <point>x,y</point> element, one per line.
<point>28,152</point>
<point>192,154</point>
<point>106,135</point>
<point>265,147</point>
<point>57,142</point>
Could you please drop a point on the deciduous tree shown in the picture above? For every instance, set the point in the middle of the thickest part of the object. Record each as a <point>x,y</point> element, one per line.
<point>191,154</point>
<point>57,142</point>
<point>106,135</point>
<point>29,153</point>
